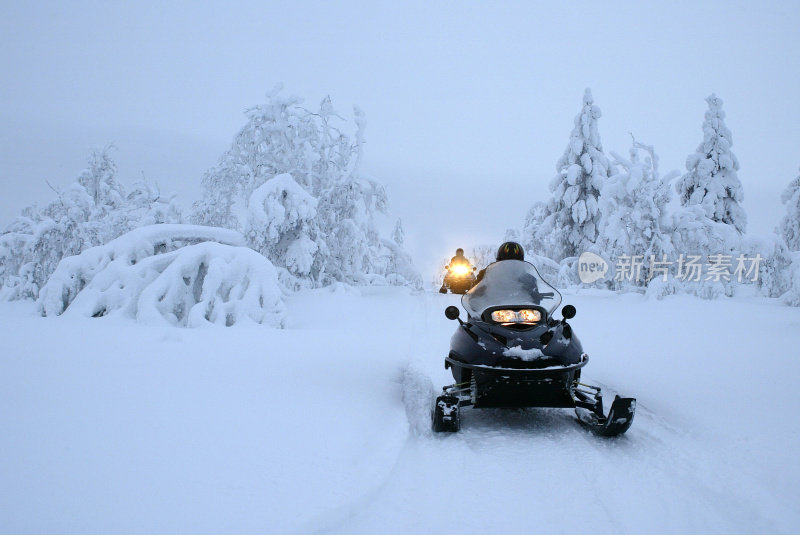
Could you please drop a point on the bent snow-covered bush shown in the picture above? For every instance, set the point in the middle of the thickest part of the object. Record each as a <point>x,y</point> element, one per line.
<point>164,274</point>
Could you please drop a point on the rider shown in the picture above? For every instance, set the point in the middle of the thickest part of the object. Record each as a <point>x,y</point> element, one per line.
<point>510,250</point>
<point>459,258</point>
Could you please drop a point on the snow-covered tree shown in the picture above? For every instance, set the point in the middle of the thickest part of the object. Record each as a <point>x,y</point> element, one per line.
<point>711,180</point>
<point>534,239</point>
<point>773,275</point>
<point>316,226</point>
<point>790,224</point>
<point>569,223</point>
<point>92,211</point>
<point>16,269</point>
<point>399,235</point>
<point>353,247</point>
<point>697,240</point>
<point>792,296</point>
<point>281,226</point>
<point>147,206</point>
<point>274,141</point>
<point>710,222</point>
<point>635,222</point>
<point>399,267</point>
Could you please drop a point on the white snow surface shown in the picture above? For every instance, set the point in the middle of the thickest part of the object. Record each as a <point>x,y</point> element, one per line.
<point>111,426</point>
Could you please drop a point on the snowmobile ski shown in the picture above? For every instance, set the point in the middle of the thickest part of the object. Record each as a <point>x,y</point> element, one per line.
<point>446,417</point>
<point>619,419</point>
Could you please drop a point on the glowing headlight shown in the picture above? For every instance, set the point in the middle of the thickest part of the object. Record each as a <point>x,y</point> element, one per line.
<point>459,270</point>
<point>516,316</point>
<point>504,316</point>
<point>528,315</point>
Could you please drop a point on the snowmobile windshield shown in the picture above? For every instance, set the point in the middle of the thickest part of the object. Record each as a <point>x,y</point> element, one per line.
<point>512,284</point>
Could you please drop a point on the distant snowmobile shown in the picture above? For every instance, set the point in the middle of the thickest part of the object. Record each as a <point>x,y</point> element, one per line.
<point>511,352</point>
<point>458,279</point>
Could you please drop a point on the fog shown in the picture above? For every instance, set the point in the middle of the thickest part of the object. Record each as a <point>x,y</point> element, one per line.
<point>469,105</point>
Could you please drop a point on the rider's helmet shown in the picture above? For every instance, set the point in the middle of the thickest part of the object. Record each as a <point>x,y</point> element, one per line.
<point>459,252</point>
<point>510,250</point>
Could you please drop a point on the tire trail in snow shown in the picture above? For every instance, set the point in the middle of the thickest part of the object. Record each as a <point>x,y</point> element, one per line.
<point>417,393</point>
<point>418,387</point>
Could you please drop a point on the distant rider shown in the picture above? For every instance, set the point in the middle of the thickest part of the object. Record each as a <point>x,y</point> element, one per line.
<point>510,250</point>
<point>459,258</point>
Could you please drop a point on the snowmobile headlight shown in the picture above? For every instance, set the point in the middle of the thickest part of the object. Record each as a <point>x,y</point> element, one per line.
<point>459,270</point>
<point>529,315</point>
<point>526,315</point>
<point>504,316</point>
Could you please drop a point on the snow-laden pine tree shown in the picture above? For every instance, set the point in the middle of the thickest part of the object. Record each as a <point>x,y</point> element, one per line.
<point>92,211</point>
<point>789,230</point>
<point>569,224</point>
<point>399,267</point>
<point>790,224</point>
<point>710,223</point>
<point>635,222</point>
<point>792,296</point>
<point>399,235</point>
<point>291,182</point>
<point>398,264</point>
<point>711,180</point>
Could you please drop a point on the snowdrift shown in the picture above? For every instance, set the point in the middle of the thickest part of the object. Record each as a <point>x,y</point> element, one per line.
<point>182,275</point>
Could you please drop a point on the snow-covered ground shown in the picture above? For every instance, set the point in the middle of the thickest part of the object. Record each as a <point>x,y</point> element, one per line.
<point>108,426</point>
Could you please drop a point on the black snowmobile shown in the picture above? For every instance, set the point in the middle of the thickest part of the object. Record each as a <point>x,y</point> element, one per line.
<point>511,352</point>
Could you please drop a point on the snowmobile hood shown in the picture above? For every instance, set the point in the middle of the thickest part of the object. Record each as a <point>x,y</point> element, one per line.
<point>513,284</point>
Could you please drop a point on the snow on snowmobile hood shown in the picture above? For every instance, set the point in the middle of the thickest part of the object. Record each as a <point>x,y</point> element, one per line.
<point>510,283</point>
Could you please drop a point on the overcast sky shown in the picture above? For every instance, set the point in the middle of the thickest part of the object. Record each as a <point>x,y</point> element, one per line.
<point>469,104</point>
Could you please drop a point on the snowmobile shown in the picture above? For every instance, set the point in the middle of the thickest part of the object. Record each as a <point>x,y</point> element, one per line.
<point>458,279</point>
<point>512,353</point>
